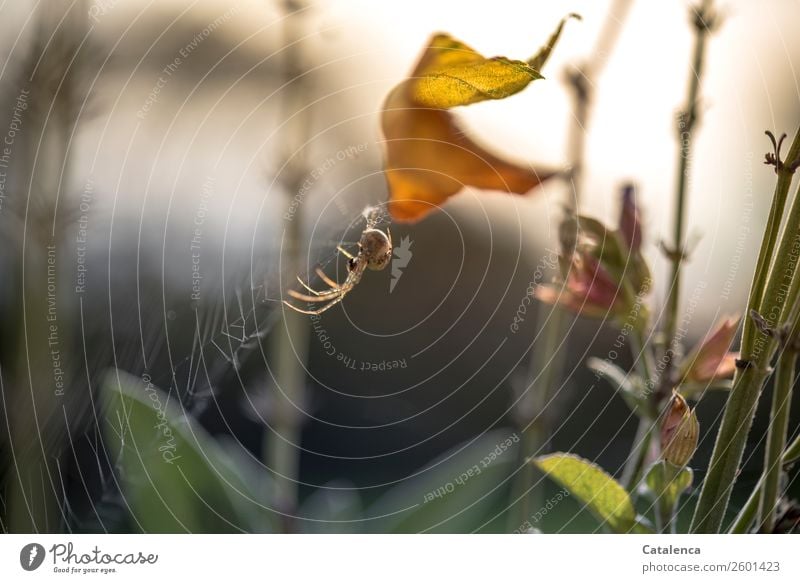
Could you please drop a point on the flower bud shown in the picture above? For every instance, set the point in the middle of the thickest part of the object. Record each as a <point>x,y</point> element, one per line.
<point>630,223</point>
<point>588,289</point>
<point>710,360</point>
<point>603,272</point>
<point>679,432</point>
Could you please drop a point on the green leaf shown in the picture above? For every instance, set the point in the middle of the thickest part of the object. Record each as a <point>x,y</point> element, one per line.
<point>174,476</point>
<point>459,492</point>
<point>621,381</point>
<point>792,453</point>
<point>451,74</point>
<point>666,482</point>
<point>601,493</point>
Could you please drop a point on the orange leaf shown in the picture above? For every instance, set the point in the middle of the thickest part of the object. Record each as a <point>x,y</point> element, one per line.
<point>429,158</point>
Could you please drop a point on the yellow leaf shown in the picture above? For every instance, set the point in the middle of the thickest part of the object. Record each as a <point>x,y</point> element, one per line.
<point>428,156</point>
<point>451,73</point>
<point>538,61</point>
<point>471,82</point>
<point>444,51</point>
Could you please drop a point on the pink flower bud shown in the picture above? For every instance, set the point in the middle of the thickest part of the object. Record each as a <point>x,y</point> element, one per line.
<point>588,289</point>
<point>630,226</point>
<point>710,359</point>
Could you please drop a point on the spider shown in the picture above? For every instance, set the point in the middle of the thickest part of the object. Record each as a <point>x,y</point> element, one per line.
<point>374,252</point>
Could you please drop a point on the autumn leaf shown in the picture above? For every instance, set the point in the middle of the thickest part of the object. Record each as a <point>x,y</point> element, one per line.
<point>429,158</point>
<point>450,74</point>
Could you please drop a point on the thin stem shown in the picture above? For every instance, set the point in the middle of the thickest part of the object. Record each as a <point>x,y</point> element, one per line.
<point>290,343</point>
<point>747,383</point>
<point>49,74</point>
<point>581,82</point>
<point>728,449</point>
<point>792,453</point>
<point>536,432</point>
<point>747,514</point>
<point>767,251</point>
<point>686,128</point>
<point>744,519</point>
<point>776,438</point>
<point>550,362</point>
<point>666,505</point>
<point>634,468</point>
<point>643,357</point>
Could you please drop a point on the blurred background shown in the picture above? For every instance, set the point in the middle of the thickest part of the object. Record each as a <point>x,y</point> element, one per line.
<point>169,167</point>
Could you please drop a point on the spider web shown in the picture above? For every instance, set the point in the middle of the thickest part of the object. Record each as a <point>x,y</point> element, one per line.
<point>245,312</point>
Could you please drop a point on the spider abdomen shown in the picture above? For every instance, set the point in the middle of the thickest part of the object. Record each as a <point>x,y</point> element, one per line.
<point>376,248</point>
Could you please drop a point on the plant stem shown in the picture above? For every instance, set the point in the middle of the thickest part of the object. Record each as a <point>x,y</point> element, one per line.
<point>757,352</point>
<point>40,419</point>
<point>744,519</point>
<point>728,449</point>
<point>686,128</point>
<point>634,468</point>
<point>289,347</point>
<point>581,85</point>
<point>748,512</point>
<point>665,508</point>
<point>582,81</point>
<point>549,361</point>
<point>792,453</point>
<point>776,439</point>
<point>767,251</point>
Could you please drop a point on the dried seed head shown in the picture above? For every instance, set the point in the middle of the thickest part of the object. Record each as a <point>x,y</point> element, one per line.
<point>679,432</point>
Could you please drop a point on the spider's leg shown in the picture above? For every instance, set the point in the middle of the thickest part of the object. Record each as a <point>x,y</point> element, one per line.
<point>327,279</point>
<point>389,234</point>
<point>330,305</point>
<point>308,287</point>
<point>316,292</point>
<point>346,287</point>
<point>327,306</point>
<point>344,252</point>
<point>307,298</point>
